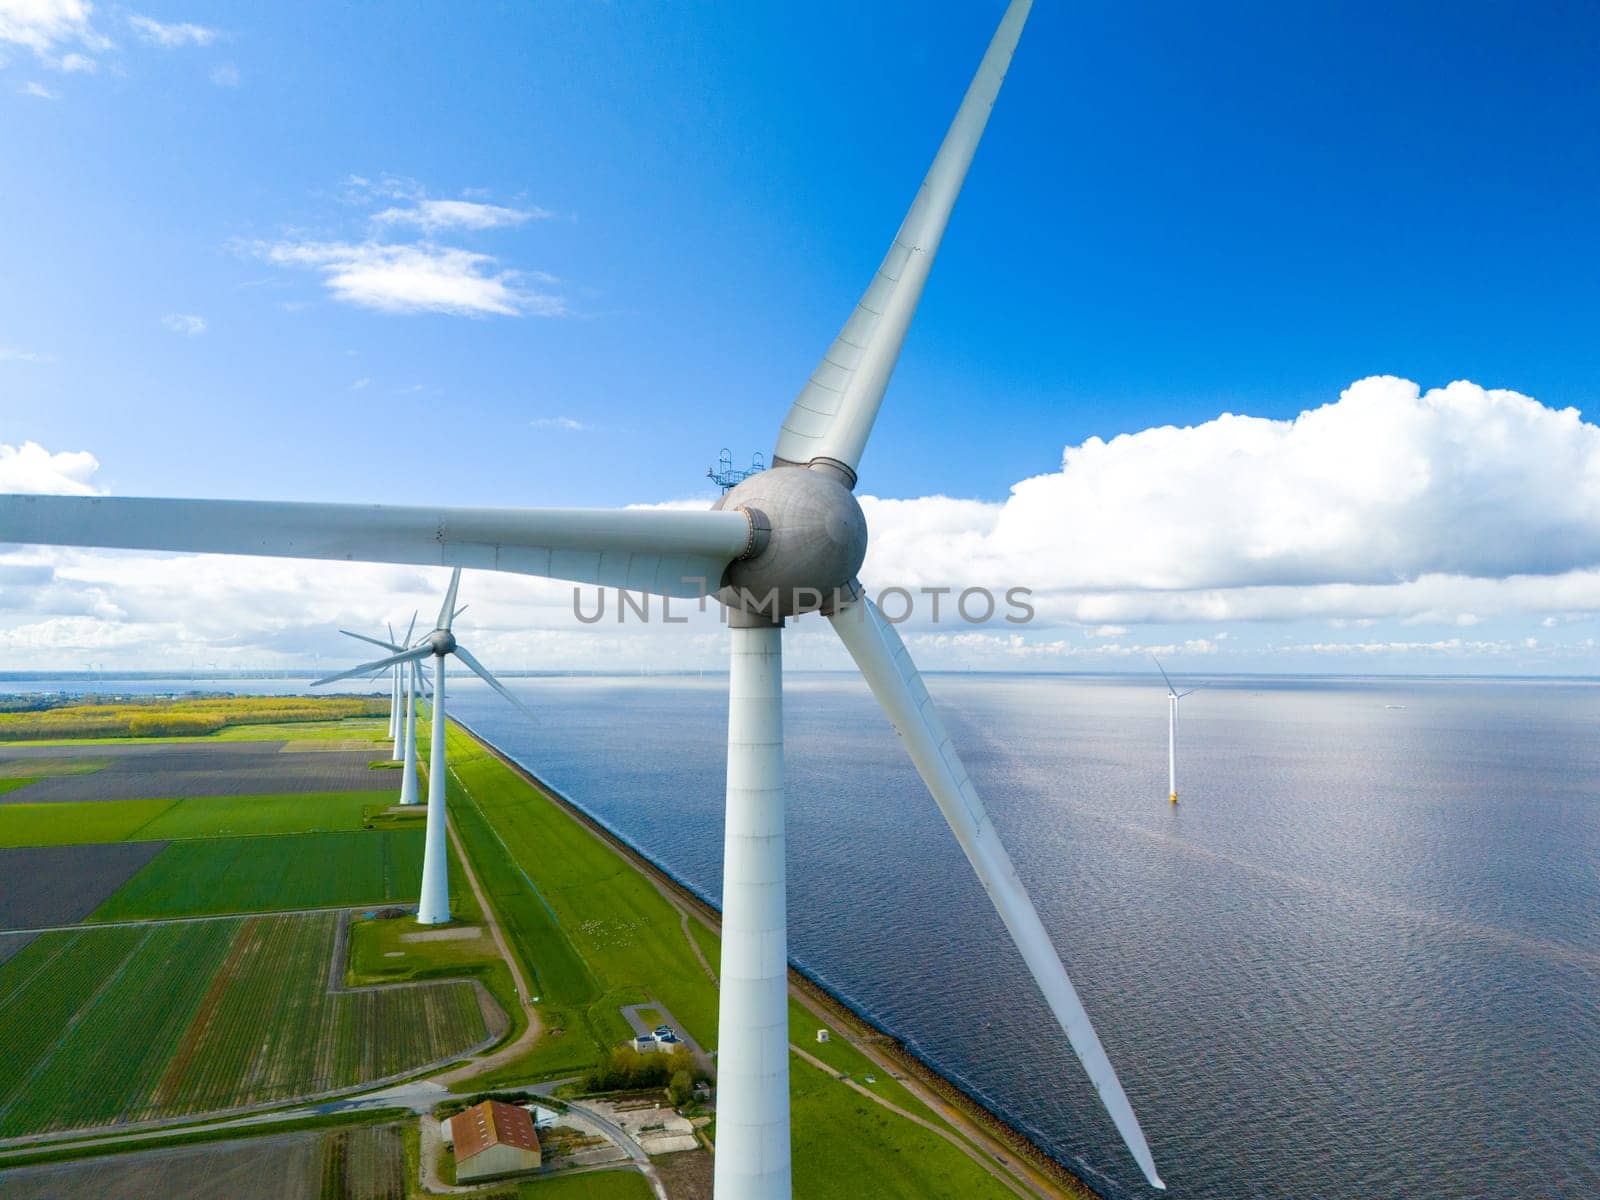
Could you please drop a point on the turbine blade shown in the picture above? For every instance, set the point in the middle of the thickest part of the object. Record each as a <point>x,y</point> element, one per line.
<point>447,610</point>
<point>390,626</point>
<point>483,674</point>
<point>900,692</point>
<point>411,628</point>
<point>665,552</point>
<point>361,637</point>
<point>365,668</point>
<point>1171,691</point>
<point>833,414</point>
<point>1190,692</point>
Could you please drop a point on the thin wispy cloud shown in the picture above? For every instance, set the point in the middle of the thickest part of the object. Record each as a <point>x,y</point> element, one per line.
<point>225,75</point>
<point>12,354</point>
<point>564,424</point>
<point>361,384</point>
<point>79,64</point>
<point>36,89</point>
<point>49,27</point>
<point>157,33</point>
<point>187,324</point>
<point>431,216</point>
<point>420,278</point>
<point>386,273</point>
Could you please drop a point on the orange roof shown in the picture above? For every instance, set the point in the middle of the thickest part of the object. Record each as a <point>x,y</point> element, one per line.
<point>492,1124</point>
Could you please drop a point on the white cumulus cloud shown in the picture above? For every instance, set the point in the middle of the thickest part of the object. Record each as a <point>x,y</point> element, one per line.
<point>1433,512</point>
<point>1388,489</point>
<point>31,468</point>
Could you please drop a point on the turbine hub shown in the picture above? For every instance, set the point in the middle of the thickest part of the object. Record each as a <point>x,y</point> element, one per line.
<point>815,540</point>
<point>442,641</point>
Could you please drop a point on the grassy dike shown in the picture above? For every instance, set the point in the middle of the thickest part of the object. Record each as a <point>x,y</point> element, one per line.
<point>597,926</point>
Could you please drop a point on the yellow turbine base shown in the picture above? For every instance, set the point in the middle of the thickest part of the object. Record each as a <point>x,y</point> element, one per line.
<point>1173,797</point>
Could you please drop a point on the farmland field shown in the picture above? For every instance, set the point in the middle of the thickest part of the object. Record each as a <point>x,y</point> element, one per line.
<point>72,823</point>
<point>367,1160</point>
<point>43,886</point>
<point>255,874</point>
<point>164,771</point>
<point>229,1012</point>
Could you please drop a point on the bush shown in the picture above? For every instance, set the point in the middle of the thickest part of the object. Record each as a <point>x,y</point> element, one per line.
<point>680,1088</point>
<point>627,1069</point>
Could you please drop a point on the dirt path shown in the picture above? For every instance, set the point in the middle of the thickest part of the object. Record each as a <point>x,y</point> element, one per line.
<point>524,1042</point>
<point>960,1144</point>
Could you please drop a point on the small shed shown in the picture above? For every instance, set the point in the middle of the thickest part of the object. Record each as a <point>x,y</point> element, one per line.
<point>493,1139</point>
<point>822,1035</point>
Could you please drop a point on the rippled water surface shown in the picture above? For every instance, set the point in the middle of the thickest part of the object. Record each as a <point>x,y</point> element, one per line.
<point>1361,958</point>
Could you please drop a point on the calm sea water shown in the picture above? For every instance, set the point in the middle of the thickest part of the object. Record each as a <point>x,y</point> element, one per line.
<point>1360,959</point>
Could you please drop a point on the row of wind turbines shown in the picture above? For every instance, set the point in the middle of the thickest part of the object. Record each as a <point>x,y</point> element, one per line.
<point>408,680</point>
<point>783,543</point>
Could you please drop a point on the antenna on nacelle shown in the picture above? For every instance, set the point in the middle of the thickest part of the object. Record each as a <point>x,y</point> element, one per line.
<point>727,476</point>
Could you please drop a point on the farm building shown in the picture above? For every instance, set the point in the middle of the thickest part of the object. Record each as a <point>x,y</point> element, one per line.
<point>493,1139</point>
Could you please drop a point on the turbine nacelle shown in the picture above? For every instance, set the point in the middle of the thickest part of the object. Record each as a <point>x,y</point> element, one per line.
<point>808,540</point>
<point>441,642</point>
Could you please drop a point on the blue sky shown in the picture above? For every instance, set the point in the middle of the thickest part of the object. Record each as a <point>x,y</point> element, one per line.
<point>1177,212</point>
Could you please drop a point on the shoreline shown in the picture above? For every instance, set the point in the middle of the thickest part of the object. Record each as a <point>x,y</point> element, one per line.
<point>947,1095</point>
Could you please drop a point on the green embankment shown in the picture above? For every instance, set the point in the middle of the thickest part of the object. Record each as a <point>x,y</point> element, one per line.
<point>71,823</point>
<point>11,785</point>
<point>598,934</point>
<point>115,1025</point>
<point>261,874</point>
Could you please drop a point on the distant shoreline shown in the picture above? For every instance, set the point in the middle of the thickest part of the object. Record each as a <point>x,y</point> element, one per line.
<point>1019,1144</point>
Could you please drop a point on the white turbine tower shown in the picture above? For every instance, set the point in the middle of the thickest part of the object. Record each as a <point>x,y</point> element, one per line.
<point>434,905</point>
<point>1173,696</point>
<point>784,542</point>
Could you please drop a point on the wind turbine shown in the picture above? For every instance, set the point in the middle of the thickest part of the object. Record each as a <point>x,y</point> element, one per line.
<point>434,906</point>
<point>784,542</point>
<point>403,723</point>
<point>397,728</point>
<point>1173,696</point>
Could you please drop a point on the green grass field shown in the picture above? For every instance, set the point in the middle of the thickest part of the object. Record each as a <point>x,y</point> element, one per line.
<point>11,785</point>
<point>69,823</point>
<point>594,933</point>
<point>262,874</point>
<point>128,1023</point>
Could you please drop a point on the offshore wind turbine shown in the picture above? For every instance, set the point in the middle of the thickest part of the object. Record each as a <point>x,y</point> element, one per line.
<point>787,541</point>
<point>1173,696</point>
<point>433,908</point>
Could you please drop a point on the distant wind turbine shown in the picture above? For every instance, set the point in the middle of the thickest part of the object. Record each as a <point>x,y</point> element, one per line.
<point>1173,696</point>
<point>783,543</point>
<point>397,728</point>
<point>403,721</point>
<point>434,906</point>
